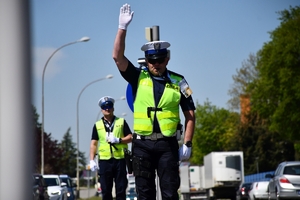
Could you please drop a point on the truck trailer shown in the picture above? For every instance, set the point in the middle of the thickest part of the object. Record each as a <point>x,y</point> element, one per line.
<point>218,178</point>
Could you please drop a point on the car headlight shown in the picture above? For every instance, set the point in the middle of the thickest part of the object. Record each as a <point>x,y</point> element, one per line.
<point>68,194</point>
<point>127,198</point>
<point>135,198</point>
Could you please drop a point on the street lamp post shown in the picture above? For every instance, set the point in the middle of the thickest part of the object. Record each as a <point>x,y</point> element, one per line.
<point>77,123</point>
<point>83,39</point>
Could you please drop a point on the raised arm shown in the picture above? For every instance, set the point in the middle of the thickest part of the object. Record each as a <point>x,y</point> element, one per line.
<point>118,51</point>
<point>125,18</point>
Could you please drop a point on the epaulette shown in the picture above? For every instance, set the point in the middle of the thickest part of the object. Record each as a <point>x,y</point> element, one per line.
<point>171,72</point>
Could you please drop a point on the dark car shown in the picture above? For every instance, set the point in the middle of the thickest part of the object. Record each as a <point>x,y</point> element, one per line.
<point>243,190</point>
<point>35,190</point>
<point>70,185</point>
<point>41,186</point>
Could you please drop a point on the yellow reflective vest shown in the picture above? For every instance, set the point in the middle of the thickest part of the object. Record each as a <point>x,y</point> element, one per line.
<point>105,150</point>
<point>168,118</point>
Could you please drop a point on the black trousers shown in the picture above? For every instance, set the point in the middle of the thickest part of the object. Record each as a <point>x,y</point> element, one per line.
<point>113,170</point>
<point>162,155</point>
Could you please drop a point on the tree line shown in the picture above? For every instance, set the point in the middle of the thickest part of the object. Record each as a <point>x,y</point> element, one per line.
<point>59,157</point>
<point>266,92</point>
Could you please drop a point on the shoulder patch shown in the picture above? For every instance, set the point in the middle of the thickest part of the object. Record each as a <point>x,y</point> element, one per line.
<point>185,88</point>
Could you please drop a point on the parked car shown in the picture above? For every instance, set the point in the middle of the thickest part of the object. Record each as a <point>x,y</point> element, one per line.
<point>242,193</point>
<point>57,190</point>
<point>258,190</point>
<point>70,186</point>
<point>35,190</point>
<point>42,186</point>
<point>285,182</point>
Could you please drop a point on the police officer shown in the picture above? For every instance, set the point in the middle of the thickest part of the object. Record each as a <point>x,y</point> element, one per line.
<point>112,134</point>
<point>158,94</point>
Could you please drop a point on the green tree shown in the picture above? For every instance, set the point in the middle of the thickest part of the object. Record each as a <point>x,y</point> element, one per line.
<point>245,75</point>
<point>214,131</point>
<point>52,152</point>
<point>59,158</point>
<point>276,92</point>
<point>260,146</point>
<point>69,158</point>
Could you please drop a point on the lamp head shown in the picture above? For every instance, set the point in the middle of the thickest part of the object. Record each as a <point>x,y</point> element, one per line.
<point>109,76</point>
<point>84,39</point>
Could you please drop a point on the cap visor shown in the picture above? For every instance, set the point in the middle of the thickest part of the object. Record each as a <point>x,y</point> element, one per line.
<point>156,56</point>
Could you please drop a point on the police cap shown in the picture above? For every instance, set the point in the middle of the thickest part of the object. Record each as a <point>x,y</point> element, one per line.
<point>156,49</point>
<point>106,100</point>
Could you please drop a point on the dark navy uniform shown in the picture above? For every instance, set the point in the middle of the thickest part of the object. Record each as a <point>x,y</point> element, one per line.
<point>160,154</point>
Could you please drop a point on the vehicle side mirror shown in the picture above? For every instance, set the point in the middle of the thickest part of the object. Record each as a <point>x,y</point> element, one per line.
<point>63,184</point>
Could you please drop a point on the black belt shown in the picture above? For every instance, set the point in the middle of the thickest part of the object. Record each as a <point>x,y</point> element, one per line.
<point>153,136</point>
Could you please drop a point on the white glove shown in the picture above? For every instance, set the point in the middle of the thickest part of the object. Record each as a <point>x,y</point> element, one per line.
<point>125,16</point>
<point>93,165</point>
<point>184,152</point>
<point>112,139</point>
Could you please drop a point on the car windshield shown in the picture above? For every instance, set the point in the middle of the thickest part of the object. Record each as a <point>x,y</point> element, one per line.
<point>246,185</point>
<point>292,170</point>
<point>52,181</point>
<point>39,181</point>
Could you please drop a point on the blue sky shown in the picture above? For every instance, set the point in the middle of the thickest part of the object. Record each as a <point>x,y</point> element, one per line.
<point>209,41</point>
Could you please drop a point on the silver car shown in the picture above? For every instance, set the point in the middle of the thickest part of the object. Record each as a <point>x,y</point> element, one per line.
<point>285,182</point>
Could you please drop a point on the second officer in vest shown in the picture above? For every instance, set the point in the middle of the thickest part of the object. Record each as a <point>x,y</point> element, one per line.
<point>112,134</point>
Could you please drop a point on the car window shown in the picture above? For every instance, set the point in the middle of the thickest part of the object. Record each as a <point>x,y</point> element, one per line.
<point>277,172</point>
<point>247,185</point>
<point>252,185</point>
<point>292,170</point>
<point>297,169</point>
<point>40,181</point>
<point>52,181</point>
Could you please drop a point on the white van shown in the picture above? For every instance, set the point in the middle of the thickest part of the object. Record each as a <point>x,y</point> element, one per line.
<point>258,190</point>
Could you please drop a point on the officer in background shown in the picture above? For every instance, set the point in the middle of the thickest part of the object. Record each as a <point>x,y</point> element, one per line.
<point>113,134</point>
<point>158,94</point>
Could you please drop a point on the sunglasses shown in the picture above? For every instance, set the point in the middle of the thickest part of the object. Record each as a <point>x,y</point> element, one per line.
<point>107,105</point>
<point>154,61</point>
